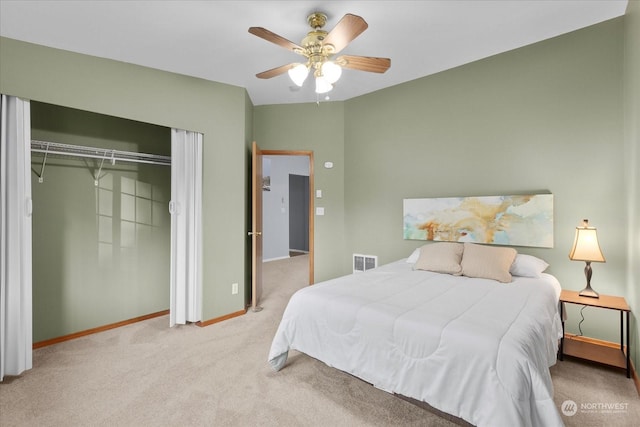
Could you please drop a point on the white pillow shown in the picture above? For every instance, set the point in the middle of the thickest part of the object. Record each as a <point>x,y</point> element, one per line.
<point>414,256</point>
<point>487,262</point>
<point>528,266</point>
<point>442,257</point>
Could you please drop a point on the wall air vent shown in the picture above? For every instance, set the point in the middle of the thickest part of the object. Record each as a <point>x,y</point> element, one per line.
<point>362,263</point>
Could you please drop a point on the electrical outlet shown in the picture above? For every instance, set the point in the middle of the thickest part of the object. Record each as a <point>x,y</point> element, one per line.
<point>234,288</point>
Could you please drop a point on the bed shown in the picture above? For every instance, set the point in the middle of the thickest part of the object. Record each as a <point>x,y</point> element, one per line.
<point>474,347</point>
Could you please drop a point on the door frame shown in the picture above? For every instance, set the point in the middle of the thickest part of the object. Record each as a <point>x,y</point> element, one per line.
<point>309,154</point>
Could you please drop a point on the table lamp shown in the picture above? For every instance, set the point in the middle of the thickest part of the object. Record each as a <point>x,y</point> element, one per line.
<point>586,248</point>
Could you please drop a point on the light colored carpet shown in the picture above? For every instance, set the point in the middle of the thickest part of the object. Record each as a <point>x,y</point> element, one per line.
<point>149,375</point>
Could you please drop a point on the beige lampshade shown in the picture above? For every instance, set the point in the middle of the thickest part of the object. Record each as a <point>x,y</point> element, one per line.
<point>585,245</point>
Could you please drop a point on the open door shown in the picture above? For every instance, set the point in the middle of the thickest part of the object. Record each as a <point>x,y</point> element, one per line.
<point>256,227</point>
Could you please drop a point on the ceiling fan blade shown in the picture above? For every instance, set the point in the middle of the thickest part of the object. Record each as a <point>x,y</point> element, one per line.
<point>272,37</point>
<point>275,71</point>
<point>364,63</point>
<point>349,27</point>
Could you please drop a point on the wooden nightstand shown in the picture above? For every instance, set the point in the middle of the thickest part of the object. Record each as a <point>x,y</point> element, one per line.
<point>618,357</point>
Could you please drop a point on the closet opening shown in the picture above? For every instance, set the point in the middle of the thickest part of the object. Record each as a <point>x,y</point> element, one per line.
<point>101,226</point>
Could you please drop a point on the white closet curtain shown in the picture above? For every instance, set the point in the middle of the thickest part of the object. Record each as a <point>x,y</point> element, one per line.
<point>15,237</point>
<point>186,227</point>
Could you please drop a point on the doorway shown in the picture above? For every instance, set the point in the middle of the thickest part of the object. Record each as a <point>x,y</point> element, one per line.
<point>298,214</point>
<point>277,205</point>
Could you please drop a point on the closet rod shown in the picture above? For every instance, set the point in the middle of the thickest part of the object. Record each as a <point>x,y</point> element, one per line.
<point>56,148</point>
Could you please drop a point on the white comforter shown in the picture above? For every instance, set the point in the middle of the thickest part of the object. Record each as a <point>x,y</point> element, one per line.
<point>474,348</point>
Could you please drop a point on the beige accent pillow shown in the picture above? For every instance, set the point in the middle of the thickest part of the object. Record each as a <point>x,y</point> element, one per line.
<point>487,262</point>
<point>441,257</point>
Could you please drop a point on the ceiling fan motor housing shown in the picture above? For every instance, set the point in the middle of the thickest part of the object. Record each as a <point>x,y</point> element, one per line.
<point>314,49</point>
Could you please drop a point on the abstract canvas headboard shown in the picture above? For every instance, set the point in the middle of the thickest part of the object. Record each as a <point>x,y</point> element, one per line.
<point>523,220</point>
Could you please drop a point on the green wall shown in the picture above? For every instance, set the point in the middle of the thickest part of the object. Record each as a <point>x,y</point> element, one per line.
<point>632,155</point>
<point>320,128</point>
<point>100,252</point>
<point>128,91</point>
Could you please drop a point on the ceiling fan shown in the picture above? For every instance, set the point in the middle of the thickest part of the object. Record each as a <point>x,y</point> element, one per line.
<point>319,47</point>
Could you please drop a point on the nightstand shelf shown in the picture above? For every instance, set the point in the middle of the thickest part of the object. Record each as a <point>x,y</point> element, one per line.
<point>586,349</point>
<point>573,346</point>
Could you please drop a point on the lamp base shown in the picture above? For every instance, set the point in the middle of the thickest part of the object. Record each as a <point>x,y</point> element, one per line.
<point>588,292</point>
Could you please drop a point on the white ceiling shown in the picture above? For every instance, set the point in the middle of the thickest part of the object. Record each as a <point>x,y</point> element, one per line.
<point>209,39</point>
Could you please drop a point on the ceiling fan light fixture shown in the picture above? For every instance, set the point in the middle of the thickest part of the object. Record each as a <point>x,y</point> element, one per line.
<point>331,71</point>
<point>298,74</point>
<point>323,85</point>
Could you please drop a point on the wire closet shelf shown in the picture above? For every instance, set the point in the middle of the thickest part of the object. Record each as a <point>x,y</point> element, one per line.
<point>105,154</point>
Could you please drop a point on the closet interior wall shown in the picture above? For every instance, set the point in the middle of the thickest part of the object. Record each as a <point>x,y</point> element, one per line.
<point>101,248</point>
